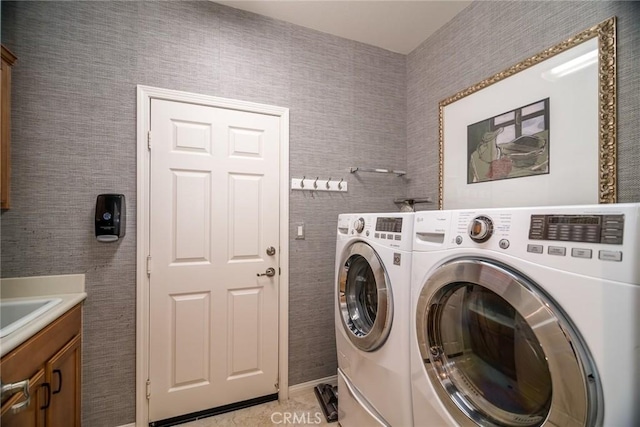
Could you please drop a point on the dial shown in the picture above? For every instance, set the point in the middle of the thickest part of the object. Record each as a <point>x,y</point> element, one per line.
<point>358,225</point>
<point>480,229</point>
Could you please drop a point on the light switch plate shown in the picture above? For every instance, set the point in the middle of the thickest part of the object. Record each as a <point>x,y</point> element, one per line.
<point>300,231</point>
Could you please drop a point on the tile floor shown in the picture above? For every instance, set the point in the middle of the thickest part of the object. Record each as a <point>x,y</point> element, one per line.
<point>302,409</point>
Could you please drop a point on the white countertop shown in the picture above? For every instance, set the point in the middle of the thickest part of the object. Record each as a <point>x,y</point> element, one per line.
<point>69,288</point>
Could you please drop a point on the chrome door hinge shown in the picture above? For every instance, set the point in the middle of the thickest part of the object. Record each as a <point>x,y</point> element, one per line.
<point>149,140</point>
<point>148,389</point>
<point>148,265</point>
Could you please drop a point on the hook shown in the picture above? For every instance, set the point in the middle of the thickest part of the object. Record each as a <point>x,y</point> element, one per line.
<point>327,184</point>
<point>302,181</point>
<point>340,184</point>
<point>315,183</point>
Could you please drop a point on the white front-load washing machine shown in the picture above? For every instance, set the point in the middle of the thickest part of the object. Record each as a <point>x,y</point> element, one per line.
<point>527,316</point>
<point>373,271</point>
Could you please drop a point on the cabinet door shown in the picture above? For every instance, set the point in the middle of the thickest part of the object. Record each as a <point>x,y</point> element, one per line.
<point>33,415</point>
<point>5,126</point>
<point>63,373</point>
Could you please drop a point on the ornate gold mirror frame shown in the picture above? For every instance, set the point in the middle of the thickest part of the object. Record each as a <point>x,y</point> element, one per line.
<point>607,154</point>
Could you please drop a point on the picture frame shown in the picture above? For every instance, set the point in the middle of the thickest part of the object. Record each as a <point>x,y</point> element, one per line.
<point>542,132</point>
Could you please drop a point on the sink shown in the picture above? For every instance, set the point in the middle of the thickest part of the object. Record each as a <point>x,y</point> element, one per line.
<point>16,313</point>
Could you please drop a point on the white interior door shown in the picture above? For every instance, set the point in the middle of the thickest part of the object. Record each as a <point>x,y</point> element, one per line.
<point>214,212</point>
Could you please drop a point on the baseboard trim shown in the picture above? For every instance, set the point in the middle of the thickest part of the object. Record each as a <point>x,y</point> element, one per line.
<point>309,385</point>
<point>128,425</point>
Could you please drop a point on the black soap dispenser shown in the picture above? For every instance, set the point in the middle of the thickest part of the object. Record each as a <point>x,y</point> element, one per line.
<point>110,217</point>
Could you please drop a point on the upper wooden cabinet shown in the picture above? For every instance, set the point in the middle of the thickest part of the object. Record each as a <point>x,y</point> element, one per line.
<point>8,59</point>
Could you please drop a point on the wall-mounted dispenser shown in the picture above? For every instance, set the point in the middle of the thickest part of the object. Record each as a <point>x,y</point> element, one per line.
<point>110,217</point>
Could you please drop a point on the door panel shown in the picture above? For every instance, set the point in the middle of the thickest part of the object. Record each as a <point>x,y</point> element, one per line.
<point>192,220</point>
<point>245,203</point>
<point>245,346</point>
<point>191,332</point>
<point>63,373</point>
<point>34,414</point>
<point>245,142</point>
<point>213,212</point>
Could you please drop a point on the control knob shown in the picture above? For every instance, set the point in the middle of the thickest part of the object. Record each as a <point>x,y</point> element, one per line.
<point>358,225</point>
<point>480,229</point>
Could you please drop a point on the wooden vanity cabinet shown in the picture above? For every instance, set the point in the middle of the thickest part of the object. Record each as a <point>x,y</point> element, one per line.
<point>33,415</point>
<point>52,361</point>
<point>8,59</point>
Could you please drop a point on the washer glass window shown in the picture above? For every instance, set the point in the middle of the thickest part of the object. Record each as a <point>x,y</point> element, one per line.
<point>361,295</point>
<point>496,360</point>
<point>364,297</point>
<point>498,351</point>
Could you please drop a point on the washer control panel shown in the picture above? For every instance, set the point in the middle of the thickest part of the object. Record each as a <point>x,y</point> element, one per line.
<point>392,229</point>
<point>389,228</point>
<point>389,224</point>
<point>481,228</point>
<point>597,240</point>
<point>578,228</point>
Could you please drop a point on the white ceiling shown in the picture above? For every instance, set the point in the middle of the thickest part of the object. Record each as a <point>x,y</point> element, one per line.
<point>396,25</point>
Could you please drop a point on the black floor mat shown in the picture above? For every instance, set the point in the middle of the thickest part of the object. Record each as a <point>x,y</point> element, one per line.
<point>328,398</point>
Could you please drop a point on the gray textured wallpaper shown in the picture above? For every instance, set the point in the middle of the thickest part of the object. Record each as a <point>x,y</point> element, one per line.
<point>351,105</point>
<point>490,36</point>
<point>74,124</point>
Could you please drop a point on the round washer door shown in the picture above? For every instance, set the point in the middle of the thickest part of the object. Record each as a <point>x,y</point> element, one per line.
<point>499,353</point>
<point>364,297</point>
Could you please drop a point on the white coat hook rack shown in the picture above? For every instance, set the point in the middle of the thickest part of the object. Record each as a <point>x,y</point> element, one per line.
<point>317,184</point>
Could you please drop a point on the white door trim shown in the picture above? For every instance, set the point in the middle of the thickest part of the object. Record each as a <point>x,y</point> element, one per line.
<point>145,94</point>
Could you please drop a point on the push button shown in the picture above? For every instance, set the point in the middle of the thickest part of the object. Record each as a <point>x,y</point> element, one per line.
<point>610,255</point>
<point>557,250</point>
<point>581,253</point>
<point>535,249</point>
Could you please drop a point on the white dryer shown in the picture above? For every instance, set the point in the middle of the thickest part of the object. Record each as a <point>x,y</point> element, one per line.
<point>527,316</point>
<point>373,271</point>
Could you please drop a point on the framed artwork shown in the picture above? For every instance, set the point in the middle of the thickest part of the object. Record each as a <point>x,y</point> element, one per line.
<point>542,132</point>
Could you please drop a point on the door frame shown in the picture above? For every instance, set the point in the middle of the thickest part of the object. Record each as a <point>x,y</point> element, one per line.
<point>144,96</point>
